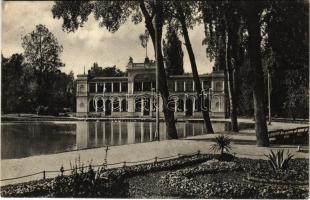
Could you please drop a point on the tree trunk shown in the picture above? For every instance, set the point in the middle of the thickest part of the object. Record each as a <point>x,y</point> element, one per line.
<point>227,104</point>
<point>163,88</point>
<point>200,95</point>
<point>231,52</point>
<point>231,89</point>
<point>222,66</point>
<point>258,79</point>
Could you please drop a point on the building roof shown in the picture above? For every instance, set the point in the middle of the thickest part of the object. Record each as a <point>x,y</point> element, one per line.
<point>109,78</point>
<point>151,66</point>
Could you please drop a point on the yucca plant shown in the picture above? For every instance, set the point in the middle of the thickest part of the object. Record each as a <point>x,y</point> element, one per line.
<point>221,142</point>
<point>279,160</point>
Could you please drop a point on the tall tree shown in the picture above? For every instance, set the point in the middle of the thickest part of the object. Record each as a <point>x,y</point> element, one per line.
<point>173,53</point>
<point>112,14</point>
<point>286,32</point>
<point>64,91</point>
<point>252,12</point>
<point>18,85</point>
<point>42,51</point>
<point>233,58</point>
<point>222,28</point>
<point>285,51</point>
<point>184,15</point>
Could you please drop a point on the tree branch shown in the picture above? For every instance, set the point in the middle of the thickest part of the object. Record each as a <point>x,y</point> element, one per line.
<point>148,21</point>
<point>145,12</point>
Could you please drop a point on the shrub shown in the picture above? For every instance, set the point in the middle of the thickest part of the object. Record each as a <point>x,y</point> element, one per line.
<point>90,184</point>
<point>279,160</point>
<point>222,142</point>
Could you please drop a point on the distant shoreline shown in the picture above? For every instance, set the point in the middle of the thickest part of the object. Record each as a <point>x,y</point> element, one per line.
<point>33,117</point>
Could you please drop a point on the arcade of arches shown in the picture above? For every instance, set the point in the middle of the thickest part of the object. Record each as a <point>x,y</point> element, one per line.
<point>146,105</point>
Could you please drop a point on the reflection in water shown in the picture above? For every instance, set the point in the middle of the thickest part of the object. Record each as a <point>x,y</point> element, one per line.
<point>98,134</point>
<point>19,140</point>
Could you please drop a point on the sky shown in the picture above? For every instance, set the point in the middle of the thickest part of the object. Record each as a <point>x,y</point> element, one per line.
<point>90,43</point>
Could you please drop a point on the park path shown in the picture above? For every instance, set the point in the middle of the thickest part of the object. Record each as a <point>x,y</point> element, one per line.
<point>133,152</point>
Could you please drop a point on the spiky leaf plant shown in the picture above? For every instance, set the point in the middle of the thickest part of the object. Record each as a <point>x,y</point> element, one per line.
<point>221,142</point>
<point>279,160</point>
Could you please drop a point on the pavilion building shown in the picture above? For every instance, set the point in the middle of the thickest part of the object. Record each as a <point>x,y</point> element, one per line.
<point>134,94</point>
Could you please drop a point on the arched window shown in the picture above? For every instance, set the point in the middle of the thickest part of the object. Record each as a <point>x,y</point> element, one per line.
<point>189,107</point>
<point>171,105</point>
<point>115,105</point>
<point>138,102</point>
<point>100,105</point>
<point>124,105</point>
<point>180,105</point>
<point>108,107</point>
<point>217,104</point>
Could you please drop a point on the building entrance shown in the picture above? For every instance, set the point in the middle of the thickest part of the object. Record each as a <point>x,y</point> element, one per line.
<point>108,107</point>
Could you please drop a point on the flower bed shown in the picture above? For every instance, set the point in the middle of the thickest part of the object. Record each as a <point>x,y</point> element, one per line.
<point>209,167</point>
<point>185,183</point>
<point>90,184</point>
<point>33,188</point>
<point>296,174</point>
<point>179,178</point>
<point>182,184</point>
<point>65,186</point>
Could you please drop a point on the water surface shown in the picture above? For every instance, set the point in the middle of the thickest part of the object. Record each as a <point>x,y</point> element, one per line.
<point>24,139</point>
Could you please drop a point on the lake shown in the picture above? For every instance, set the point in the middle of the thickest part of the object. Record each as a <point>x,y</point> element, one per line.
<point>24,139</point>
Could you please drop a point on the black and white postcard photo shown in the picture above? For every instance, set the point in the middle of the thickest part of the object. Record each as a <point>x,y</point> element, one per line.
<point>155,99</point>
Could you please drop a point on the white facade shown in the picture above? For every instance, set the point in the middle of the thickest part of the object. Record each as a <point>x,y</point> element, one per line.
<point>134,95</point>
